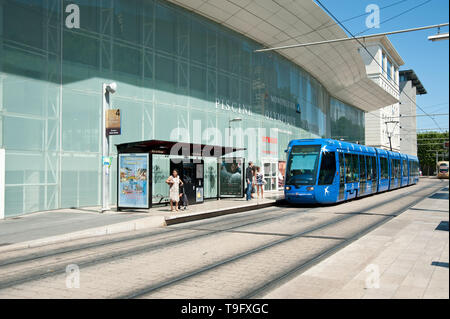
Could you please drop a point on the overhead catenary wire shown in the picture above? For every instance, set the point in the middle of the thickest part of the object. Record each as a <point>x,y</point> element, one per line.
<point>398,15</point>
<point>363,37</point>
<point>299,45</point>
<point>370,54</point>
<point>327,24</point>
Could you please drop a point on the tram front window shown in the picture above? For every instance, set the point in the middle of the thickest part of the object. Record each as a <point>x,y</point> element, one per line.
<point>302,165</point>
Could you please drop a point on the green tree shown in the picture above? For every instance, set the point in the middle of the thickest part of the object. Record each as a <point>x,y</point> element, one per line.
<point>427,145</point>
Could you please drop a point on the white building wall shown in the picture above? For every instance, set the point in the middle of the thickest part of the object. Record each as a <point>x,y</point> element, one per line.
<point>408,121</point>
<point>385,122</point>
<point>372,67</point>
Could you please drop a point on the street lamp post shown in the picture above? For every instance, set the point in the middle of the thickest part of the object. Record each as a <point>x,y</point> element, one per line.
<point>107,90</point>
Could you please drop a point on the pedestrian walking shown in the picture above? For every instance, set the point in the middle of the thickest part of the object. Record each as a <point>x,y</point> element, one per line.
<point>260,182</point>
<point>249,178</point>
<point>174,183</point>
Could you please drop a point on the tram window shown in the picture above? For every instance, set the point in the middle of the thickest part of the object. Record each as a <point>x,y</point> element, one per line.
<point>405,168</point>
<point>355,168</point>
<point>393,168</point>
<point>374,168</point>
<point>399,169</point>
<point>411,169</point>
<point>327,168</point>
<point>362,168</point>
<point>348,172</point>
<point>384,168</point>
<point>341,169</point>
<point>369,167</point>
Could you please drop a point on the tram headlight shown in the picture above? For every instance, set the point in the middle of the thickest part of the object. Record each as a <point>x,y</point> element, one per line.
<point>288,188</point>
<point>309,188</point>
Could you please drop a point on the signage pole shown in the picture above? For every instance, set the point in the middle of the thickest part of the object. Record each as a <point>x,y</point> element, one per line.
<point>105,150</point>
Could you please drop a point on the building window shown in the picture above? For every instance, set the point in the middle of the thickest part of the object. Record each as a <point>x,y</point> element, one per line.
<point>383,62</point>
<point>389,70</point>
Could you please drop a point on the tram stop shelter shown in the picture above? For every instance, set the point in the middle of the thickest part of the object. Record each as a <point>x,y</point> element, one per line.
<point>206,171</point>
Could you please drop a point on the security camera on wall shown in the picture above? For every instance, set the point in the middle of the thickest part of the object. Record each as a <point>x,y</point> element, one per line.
<point>111,88</point>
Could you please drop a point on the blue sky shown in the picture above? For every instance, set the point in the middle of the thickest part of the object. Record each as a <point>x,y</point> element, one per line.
<point>428,59</point>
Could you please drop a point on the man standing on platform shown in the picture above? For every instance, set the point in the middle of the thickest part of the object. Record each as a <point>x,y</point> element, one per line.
<point>249,177</point>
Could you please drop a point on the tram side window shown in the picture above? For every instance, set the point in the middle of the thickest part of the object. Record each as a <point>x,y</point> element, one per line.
<point>362,168</point>
<point>392,168</point>
<point>399,169</point>
<point>327,168</point>
<point>348,171</point>
<point>405,168</point>
<point>341,169</point>
<point>368,160</point>
<point>384,168</point>
<point>355,168</point>
<point>374,168</point>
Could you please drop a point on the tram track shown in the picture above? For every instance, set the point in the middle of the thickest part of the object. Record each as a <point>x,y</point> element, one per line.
<point>170,231</point>
<point>142,292</point>
<point>225,225</point>
<point>94,259</point>
<point>105,242</point>
<point>302,267</point>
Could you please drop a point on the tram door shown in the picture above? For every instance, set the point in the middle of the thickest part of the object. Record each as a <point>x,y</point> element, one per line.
<point>375,179</point>
<point>341,177</point>
<point>362,175</point>
<point>192,176</point>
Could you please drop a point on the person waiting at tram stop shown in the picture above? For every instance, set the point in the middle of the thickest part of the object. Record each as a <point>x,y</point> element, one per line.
<point>174,182</point>
<point>254,168</point>
<point>249,178</point>
<point>260,182</point>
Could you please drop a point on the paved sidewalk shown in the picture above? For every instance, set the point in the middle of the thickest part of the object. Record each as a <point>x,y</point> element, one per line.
<point>408,257</point>
<point>66,224</point>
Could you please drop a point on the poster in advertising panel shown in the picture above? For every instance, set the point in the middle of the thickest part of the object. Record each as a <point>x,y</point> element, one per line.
<point>133,181</point>
<point>231,177</point>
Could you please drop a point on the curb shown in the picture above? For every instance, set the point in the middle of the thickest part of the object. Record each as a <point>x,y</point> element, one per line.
<point>142,223</point>
<point>215,213</point>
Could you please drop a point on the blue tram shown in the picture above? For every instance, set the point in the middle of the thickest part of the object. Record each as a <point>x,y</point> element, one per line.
<point>329,171</point>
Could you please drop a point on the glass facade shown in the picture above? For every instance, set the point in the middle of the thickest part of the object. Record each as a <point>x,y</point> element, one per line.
<point>173,68</point>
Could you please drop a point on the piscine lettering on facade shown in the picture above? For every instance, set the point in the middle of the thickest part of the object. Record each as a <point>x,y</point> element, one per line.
<point>239,108</point>
<point>234,107</point>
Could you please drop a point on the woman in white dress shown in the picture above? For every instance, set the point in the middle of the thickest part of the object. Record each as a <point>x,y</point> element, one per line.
<point>174,182</point>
